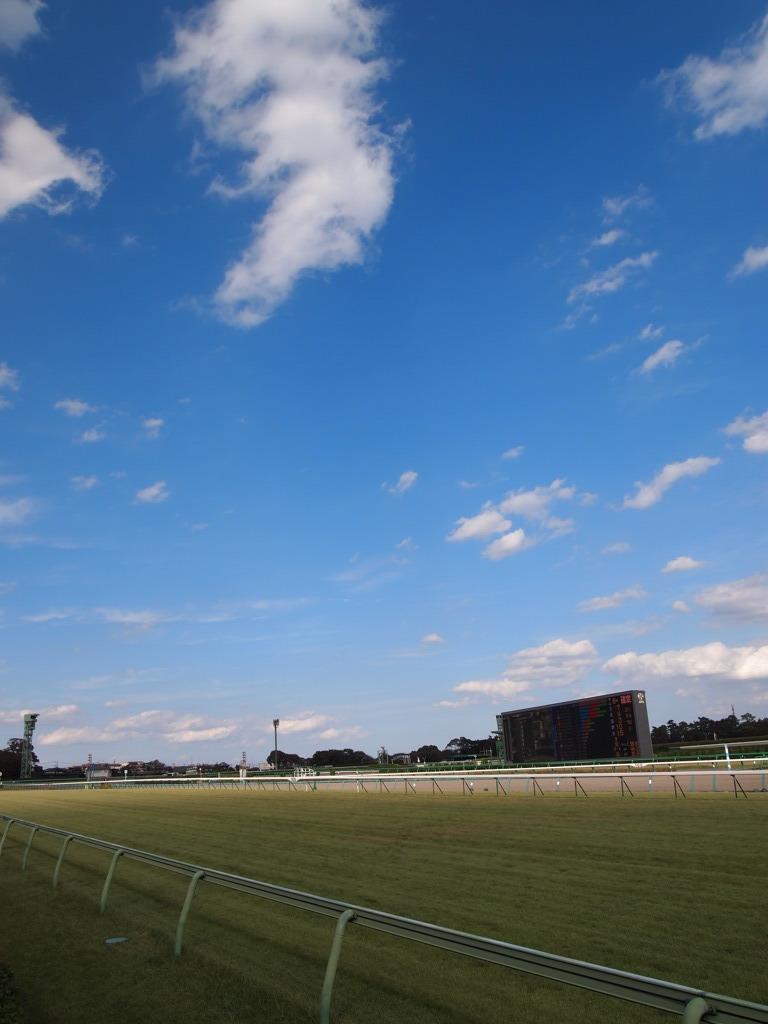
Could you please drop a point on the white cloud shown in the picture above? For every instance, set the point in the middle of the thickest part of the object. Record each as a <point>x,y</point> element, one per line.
<point>616,206</point>
<point>289,85</point>
<point>18,21</point>
<point>9,379</point>
<point>92,435</point>
<point>667,355</point>
<point>607,238</point>
<point>404,483</point>
<point>432,638</point>
<point>73,407</point>
<point>728,94</point>
<point>154,493</point>
<point>710,661</point>
<point>682,564</point>
<point>650,332</point>
<point>83,483</point>
<point>17,511</point>
<point>680,606</point>
<point>745,600</point>
<point>7,586</point>
<point>513,453</point>
<point>533,505</point>
<point>556,663</point>
<point>33,165</point>
<point>507,545</point>
<point>481,526</point>
<point>753,260</point>
<point>306,722</point>
<point>621,547</point>
<point>605,282</point>
<point>488,688</point>
<point>218,732</point>
<point>754,432</point>
<point>599,604</point>
<point>152,427</point>
<point>649,494</point>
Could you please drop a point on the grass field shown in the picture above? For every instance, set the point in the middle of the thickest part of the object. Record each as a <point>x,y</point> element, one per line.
<point>669,888</point>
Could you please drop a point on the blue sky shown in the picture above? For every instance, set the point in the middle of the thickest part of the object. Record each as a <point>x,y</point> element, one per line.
<point>378,368</point>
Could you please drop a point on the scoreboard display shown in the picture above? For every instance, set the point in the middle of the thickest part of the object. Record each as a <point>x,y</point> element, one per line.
<point>614,725</point>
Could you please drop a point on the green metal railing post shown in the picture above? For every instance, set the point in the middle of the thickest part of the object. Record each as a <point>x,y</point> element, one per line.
<point>695,1010</point>
<point>60,861</point>
<point>5,833</point>
<point>108,882</point>
<point>185,910</point>
<point>333,963</point>
<point>26,851</point>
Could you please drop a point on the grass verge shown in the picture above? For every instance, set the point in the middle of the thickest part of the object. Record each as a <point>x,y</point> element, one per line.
<point>663,887</point>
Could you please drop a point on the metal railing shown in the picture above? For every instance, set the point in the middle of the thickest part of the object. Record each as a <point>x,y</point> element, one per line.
<point>692,1005</point>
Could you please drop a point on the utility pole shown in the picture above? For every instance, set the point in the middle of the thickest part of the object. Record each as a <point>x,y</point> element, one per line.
<point>26,748</point>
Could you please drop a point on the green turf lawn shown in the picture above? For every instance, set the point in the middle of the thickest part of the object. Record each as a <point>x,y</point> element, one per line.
<point>671,888</point>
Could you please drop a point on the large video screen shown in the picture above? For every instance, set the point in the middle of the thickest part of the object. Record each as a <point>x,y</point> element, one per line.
<point>613,725</point>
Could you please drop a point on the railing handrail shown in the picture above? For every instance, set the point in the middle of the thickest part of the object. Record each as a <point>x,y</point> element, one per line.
<point>692,1004</point>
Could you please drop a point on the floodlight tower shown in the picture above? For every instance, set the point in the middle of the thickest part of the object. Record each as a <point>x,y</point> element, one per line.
<point>26,748</point>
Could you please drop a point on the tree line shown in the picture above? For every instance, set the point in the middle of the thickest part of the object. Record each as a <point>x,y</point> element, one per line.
<point>703,730</point>
<point>732,727</point>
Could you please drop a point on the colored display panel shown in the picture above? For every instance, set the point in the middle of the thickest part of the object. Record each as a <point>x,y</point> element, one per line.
<point>611,726</point>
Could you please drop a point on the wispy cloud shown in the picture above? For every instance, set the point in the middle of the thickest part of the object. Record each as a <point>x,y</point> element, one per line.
<point>667,355</point>
<point>153,494</point>
<point>754,431</point>
<point>615,600</point>
<point>651,493</point>
<point>73,407</point>
<point>152,427</point>
<point>9,381</point>
<point>728,94</point>
<point>289,86</point>
<point>83,483</point>
<point>612,279</point>
<point>754,259</point>
<point>607,238</point>
<point>620,547</point>
<point>17,511</point>
<point>513,453</point>
<point>19,21</point>
<point>35,167</point>
<point>744,600</point>
<point>616,206</point>
<point>683,563</point>
<point>405,482</point>
<point>649,332</point>
<point>432,638</point>
<point>92,435</point>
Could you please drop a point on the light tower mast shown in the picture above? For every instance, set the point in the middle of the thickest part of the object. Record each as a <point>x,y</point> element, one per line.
<point>26,749</point>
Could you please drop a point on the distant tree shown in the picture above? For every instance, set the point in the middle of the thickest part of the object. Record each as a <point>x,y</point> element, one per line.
<point>429,752</point>
<point>471,748</point>
<point>10,759</point>
<point>286,760</point>
<point>155,767</point>
<point>341,758</point>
